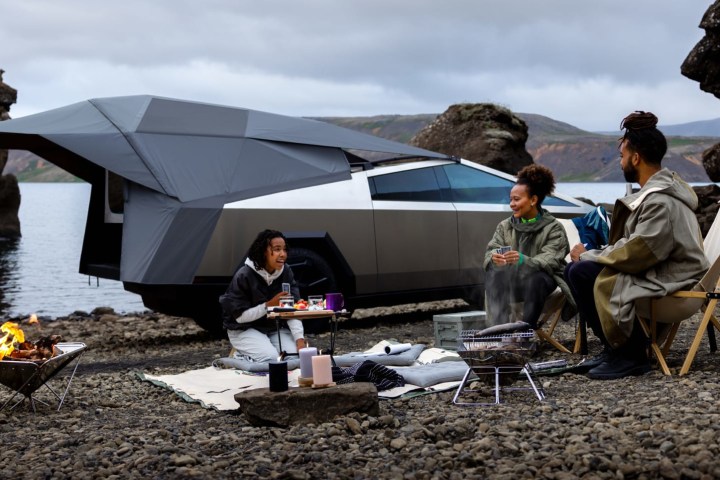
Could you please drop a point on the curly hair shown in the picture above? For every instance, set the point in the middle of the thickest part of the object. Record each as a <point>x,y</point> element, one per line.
<point>256,253</point>
<point>538,179</point>
<point>643,136</point>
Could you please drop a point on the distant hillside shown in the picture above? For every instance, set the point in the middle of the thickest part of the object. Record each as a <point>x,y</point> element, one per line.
<point>399,128</point>
<point>28,167</point>
<point>705,128</point>
<point>579,156</point>
<point>573,154</point>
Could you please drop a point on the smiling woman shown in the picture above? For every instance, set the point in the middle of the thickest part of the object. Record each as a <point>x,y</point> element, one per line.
<point>257,285</point>
<point>532,267</point>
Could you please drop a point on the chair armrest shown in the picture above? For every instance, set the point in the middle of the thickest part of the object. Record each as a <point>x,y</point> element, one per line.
<point>688,294</point>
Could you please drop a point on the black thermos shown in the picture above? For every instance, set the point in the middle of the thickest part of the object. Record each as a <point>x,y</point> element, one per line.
<point>278,376</point>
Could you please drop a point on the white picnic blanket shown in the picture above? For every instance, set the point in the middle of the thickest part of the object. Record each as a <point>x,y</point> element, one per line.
<point>215,388</point>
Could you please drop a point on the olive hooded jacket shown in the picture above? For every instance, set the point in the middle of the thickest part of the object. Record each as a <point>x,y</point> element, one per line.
<point>543,243</point>
<point>655,249</point>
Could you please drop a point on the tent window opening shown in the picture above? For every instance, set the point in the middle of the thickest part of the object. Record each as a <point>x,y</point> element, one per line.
<point>115,200</point>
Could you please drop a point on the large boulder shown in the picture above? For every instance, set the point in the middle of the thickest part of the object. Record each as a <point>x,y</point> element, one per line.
<point>703,62</point>
<point>9,191</point>
<point>9,207</point>
<point>708,206</point>
<point>301,406</point>
<point>481,132</point>
<point>711,162</point>
<point>703,65</point>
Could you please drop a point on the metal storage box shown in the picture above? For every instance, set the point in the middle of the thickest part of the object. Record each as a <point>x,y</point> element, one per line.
<point>449,325</point>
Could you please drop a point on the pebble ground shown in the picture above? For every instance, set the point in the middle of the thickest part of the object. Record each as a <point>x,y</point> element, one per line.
<point>114,425</point>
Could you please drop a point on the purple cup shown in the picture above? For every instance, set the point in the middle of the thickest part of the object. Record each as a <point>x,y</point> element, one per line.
<point>334,301</point>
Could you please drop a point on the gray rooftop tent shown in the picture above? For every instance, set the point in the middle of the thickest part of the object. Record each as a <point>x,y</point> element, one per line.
<point>182,161</point>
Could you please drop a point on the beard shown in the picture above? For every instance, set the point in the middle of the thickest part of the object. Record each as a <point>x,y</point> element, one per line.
<point>630,173</point>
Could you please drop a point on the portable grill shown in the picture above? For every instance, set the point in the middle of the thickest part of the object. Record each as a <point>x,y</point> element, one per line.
<point>27,376</point>
<point>498,360</point>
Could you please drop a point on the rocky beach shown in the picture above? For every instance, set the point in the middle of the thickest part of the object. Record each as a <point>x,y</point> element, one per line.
<point>114,425</point>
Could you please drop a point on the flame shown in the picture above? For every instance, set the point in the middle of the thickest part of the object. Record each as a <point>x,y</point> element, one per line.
<point>13,334</point>
<point>33,319</point>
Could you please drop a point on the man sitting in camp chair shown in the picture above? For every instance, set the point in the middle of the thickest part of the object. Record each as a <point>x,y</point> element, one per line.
<point>655,248</point>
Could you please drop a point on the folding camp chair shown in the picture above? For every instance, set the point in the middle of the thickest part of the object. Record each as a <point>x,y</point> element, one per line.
<point>549,318</point>
<point>552,312</point>
<point>660,318</point>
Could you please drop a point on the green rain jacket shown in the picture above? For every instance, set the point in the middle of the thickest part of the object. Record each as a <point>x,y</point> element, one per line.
<point>655,249</point>
<point>543,244</point>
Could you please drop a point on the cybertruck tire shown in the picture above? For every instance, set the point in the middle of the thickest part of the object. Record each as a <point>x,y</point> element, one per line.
<point>212,324</point>
<point>313,273</point>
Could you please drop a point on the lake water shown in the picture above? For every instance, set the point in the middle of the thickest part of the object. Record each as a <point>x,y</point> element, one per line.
<point>39,274</point>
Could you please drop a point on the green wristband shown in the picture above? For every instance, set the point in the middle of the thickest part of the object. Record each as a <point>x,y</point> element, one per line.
<point>521,259</point>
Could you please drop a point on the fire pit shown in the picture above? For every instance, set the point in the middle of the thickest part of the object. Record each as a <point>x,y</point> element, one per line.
<point>26,376</point>
<point>497,360</point>
<point>27,366</point>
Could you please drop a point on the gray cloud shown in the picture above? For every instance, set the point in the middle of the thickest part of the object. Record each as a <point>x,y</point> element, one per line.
<point>585,63</point>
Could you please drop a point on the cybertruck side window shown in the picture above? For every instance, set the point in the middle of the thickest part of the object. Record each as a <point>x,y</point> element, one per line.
<point>419,185</point>
<point>468,185</point>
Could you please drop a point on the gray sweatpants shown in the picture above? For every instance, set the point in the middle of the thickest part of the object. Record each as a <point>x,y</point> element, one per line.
<point>260,347</point>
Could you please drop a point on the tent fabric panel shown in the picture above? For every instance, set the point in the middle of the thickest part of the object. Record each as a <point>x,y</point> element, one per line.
<point>173,117</point>
<point>76,118</point>
<point>194,167</point>
<point>112,152</point>
<point>84,131</point>
<point>163,240</point>
<point>125,113</point>
<point>188,118</point>
<point>190,167</point>
<point>183,247</point>
<point>288,167</point>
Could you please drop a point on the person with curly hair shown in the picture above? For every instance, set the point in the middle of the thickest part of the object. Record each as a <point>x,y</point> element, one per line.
<point>257,285</point>
<point>525,258</point>
<point>655,248</point>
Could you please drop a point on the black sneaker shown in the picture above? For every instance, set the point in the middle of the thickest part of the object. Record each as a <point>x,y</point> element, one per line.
<point>619,367</point>
<point>588,364</point>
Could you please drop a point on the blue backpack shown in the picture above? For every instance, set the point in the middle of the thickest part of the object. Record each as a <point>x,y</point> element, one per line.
<point>593,228</point>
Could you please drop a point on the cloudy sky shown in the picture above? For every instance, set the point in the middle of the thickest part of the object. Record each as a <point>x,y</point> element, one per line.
<point>587,63</point>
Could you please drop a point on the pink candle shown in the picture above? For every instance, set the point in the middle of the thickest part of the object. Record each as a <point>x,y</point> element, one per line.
<point>306,354</point>
<point>322,373</point>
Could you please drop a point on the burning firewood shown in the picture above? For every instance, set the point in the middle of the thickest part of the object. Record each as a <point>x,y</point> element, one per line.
<point>13,344</point>
<point>40,350</point>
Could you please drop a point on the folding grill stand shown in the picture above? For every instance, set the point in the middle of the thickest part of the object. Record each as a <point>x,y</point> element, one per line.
<point>497,371</point>
<point>26,377</point>
<point>499,357</point>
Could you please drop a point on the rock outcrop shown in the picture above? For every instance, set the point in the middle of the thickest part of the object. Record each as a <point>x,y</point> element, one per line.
<point>703,65</point>
<point>9,190</point>
<point>481,132</point>
<point>703,62</point>
<point>302,406</point>
<point>711,162</point>
<point>708,206</point>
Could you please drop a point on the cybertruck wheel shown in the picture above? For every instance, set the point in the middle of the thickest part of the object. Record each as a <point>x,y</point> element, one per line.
<point>212,324</point>
<point>313,274</point>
